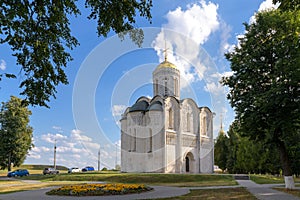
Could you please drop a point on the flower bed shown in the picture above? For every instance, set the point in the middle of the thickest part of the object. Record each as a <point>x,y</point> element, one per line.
<point>99,189</point>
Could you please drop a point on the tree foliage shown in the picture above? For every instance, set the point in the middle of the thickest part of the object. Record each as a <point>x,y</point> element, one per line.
<point>286,5</point>
<point>39,35</point>
<point>232,146</point>
<point>221,151</point>
<point>264,89</point>
<point>15,133</point>
<point>238,154</point>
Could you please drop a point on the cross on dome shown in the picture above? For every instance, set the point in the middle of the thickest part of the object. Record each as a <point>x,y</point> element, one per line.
<point>166,51</point>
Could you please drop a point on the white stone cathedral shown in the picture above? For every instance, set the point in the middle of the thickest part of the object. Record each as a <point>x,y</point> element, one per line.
<point>167,134</point>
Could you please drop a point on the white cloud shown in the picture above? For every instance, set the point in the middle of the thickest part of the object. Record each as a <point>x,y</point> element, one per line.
<point>2,64</point>
<point>105,154</point>
<point>56,127</point>
<point>118,143</point>
<point>118,110</point>
<point>75,149</point>
<point>225,35</point>
<point>183,34</point>
<point>82,138</point>
<point>40,149</point>
<point>64,149</point>
<point>79,138</point>
<point>92,145</point>
<point>76,131</point>
<point>52,137</point>
<point>34,155</point>
<point>266,5</point>
<point>227,74</point>
<point>197,22</point>
<point>214,88</point>
<point>76,156</point>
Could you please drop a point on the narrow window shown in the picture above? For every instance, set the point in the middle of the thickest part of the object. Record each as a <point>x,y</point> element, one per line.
<point>170,118</point>
<point>156,86</point>
<point>130,141</point>
<point>166,89</point>
<point>134,140</point>
<point>188,122</point>
<point>204,126</point>
<point>176,86</point>
<point>150,140</point>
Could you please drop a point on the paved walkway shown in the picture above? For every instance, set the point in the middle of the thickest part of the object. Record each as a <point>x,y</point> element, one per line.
<point>265,191</point>
<point>262,192</point>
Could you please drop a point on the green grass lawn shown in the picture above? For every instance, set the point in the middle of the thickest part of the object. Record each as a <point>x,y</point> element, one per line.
<point>181,180</point>
<point>224,194</point>
<point>270,179</point>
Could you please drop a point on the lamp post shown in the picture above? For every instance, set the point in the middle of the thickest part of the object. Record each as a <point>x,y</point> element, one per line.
<point>54,164</point>
<point>99,159</point>
<point>116,161</point>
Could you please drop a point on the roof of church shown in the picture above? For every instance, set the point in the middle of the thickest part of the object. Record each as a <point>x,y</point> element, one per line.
<point>166,64</point>
<point>156,105</point>
<point>139,106</point>
<point>144,106</point>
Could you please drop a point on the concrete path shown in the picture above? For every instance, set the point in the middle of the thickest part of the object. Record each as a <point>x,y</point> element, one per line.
<point>265,191</point>
<point>262,192</point>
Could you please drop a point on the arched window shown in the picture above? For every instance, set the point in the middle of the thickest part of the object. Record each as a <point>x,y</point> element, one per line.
<point>171,120</point>
<point>150,140</point>
<point>156,86</point>
<point>166,88</point>
<point>188,122</point>
<point>204,129</point>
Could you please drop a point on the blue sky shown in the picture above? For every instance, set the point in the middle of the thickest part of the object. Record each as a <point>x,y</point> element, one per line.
<point>107,75</point>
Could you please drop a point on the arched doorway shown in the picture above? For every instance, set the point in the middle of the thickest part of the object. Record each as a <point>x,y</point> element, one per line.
<point>189,163</point>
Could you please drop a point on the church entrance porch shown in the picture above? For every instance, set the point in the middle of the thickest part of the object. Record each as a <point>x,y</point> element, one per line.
<point>189,163</point>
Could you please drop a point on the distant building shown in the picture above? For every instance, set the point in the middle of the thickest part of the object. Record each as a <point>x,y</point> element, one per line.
<point>166,134</point>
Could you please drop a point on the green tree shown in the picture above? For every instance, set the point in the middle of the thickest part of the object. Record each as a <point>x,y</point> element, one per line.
<point>39,35</point>
<point>245,156</point>
<point>232,146</point>
<point>294,152</point>
<point>221,151</point>
<point>248,156</point>
<point>286,5</point>
<point>264,89</point>
<point>15,133</point>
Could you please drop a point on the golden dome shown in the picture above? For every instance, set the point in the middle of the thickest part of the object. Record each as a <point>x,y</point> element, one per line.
<point>166,64</point>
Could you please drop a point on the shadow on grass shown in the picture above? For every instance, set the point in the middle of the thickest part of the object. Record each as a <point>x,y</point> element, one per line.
<point>224,194</point>
<point>269,179</point>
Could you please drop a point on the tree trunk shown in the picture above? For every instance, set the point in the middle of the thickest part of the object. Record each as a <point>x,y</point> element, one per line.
<point>286,166</point>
